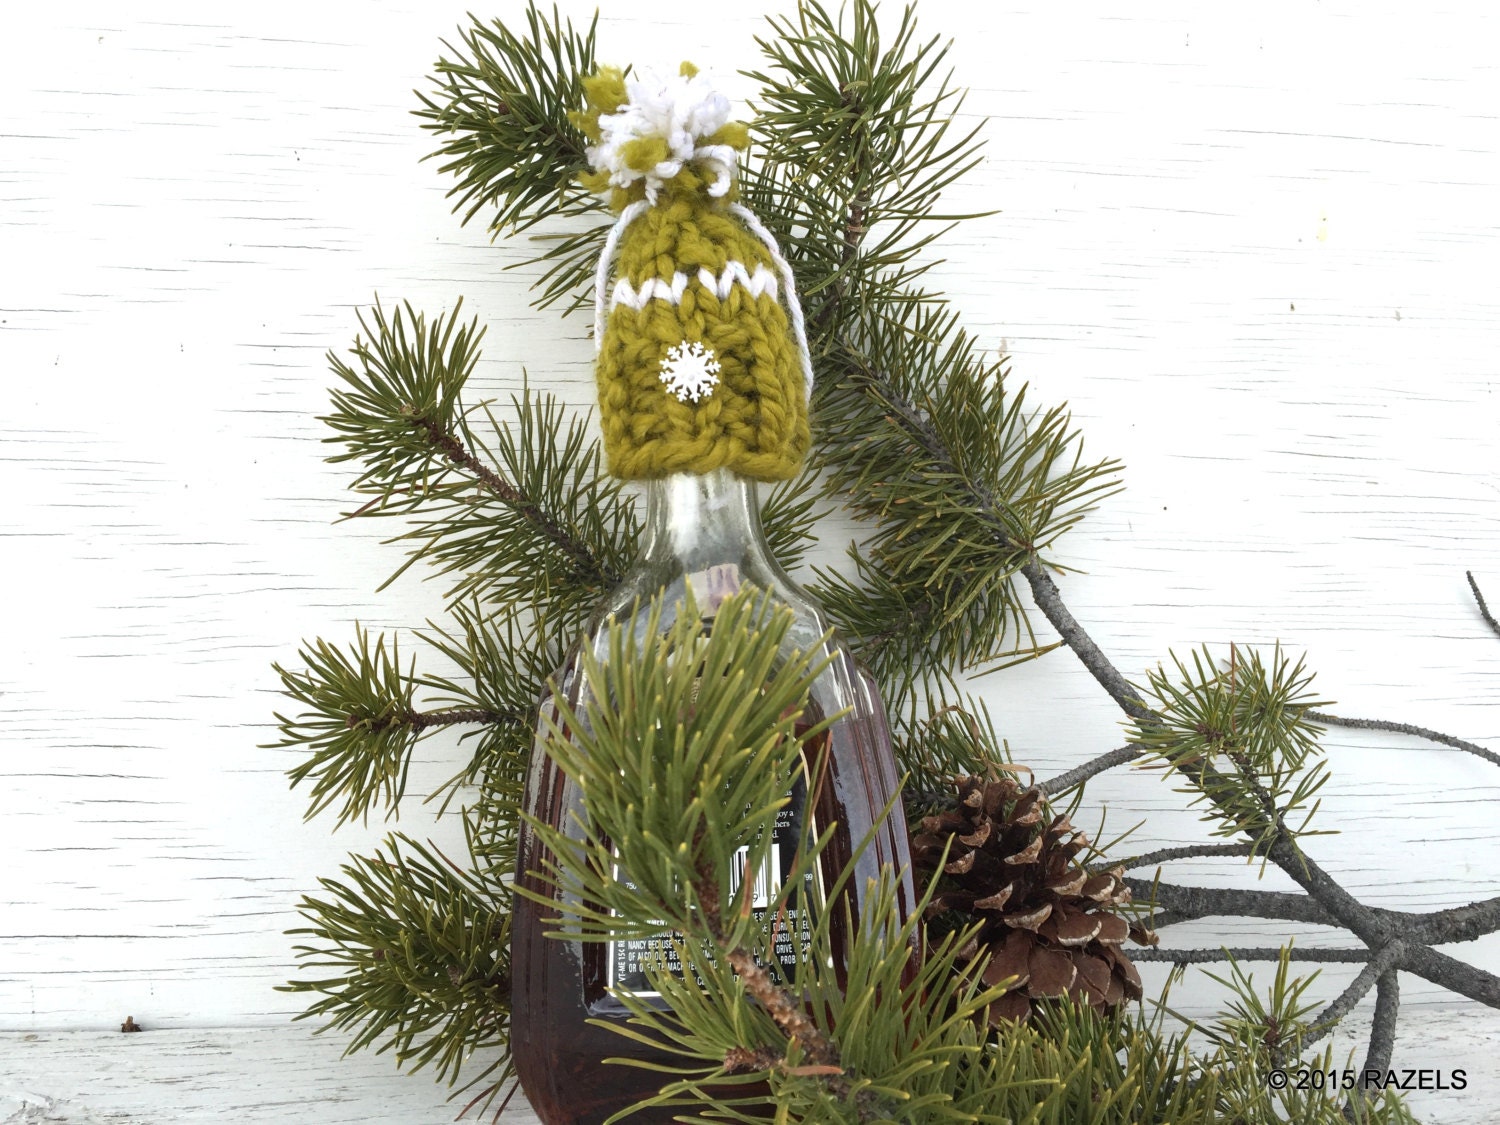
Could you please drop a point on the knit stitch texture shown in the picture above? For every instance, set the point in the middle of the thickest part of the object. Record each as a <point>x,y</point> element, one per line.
<point>755,421</point>
<point>689,272</point>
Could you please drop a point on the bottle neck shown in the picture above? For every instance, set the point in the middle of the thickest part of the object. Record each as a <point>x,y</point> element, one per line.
<point>699,519</point>
<point>703,539</point>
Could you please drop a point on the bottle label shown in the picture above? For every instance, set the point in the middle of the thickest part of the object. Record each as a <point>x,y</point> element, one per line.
<point>791,925</point>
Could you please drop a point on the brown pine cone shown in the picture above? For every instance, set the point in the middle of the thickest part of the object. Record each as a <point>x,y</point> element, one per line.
<point>1048,922</point>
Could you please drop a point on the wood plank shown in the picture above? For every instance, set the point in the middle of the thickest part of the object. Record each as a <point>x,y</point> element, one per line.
<point>287,1074</point>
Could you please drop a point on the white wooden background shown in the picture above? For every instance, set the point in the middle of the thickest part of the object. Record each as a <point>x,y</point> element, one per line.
<point>1256,250</point>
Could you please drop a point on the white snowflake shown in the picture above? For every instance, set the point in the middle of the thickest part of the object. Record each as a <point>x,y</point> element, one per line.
<point>690,371</point>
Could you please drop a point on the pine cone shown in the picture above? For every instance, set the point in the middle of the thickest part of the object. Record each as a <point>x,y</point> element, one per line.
<point>1048,921</point>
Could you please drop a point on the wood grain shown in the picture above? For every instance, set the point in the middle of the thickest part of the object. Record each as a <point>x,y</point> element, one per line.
<point>1254,250</point>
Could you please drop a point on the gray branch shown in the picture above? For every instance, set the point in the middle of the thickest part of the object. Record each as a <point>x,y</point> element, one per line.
<point>1453,974</point>
<point>1206,902</point>
<point>1049,600</point>
<point>1383,1032</point>
<point>1180,903</point>
<point>1092,768</point>
<point>1457,923</point>
<point>1484,610</point>
<point>1406,728</point>
<point>1192,851</point>
<point>1381,963</point>
<point>1254,953</point>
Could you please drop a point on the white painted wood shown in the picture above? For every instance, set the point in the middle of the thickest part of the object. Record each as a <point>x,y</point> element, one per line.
<point>285,1074</point>
<point>1254,250</point>
<point>242,1074</point>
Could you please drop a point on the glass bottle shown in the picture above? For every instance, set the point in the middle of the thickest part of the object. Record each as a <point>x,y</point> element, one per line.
<point>702,533</point>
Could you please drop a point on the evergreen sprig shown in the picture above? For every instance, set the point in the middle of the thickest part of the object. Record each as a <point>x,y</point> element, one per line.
<point>359,727</point>
<point>1261,1032</point>
<point>516,512</point>
<point>502,658</point>
<point>1239,734</point>
<point>856,149</point>
<point>499,107</point>
<point>681,798</point>
<point>417,954</point>
<point>966,484</point>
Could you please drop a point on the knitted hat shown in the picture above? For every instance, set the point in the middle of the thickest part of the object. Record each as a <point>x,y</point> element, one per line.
<point>703,360</point>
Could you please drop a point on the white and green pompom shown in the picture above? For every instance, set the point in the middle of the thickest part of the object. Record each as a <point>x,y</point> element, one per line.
<point>648,130</point>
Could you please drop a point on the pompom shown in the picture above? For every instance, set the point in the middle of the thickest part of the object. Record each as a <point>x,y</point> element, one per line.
<point>664,127</point>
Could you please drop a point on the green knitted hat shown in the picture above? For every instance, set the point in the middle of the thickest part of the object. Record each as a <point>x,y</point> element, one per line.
<point>703,360</point>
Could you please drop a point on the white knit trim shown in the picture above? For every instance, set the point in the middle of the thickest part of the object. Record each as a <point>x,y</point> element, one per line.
<point>758,282</point>
<point>794,306</point>
<point>606,259</point>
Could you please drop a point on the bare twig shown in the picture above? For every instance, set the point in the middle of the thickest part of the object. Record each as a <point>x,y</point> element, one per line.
<point>1178,903</point>
<point>1383,1032</point>
<point>743,1060</point>
<point>1079,774</point>
<point>1193,851</point>
<point>1049,600</point>
<point>1429,964</point>
<point>1405,728</point>
<point>1484,610</point>
<point>1457,923</point>
<point>1453,974</point>
<point>1382,962</point>
<point>1256,953</point>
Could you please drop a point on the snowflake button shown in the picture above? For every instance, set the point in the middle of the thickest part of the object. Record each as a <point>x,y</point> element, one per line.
<point>690,371</point>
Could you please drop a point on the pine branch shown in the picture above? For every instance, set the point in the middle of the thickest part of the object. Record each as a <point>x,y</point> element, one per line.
<point>1453,974</point>
<point>499,107</point>
<point>679,803</point>
<point>788,1012</point>
<point>1190,903</point>
<point>527,515</point>
<point>1178,903</point>
<point>1458,923</point>
<point>419,721</point>
<point>567,542</point>
<point>1330,904</point>
<point>856,150</point>
<point>419,957</point>
<point>357,727</point>
<point>909,390</point>
<point>1049,600</point>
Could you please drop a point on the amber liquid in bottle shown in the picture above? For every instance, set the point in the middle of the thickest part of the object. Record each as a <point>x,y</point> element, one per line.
<point>703,534</point>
